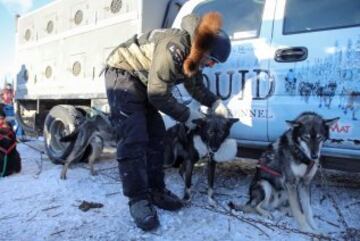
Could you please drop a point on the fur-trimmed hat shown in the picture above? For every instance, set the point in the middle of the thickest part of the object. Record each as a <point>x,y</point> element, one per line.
<point>207,36</point>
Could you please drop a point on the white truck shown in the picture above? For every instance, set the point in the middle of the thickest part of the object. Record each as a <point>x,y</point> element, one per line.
<point>287,57</point>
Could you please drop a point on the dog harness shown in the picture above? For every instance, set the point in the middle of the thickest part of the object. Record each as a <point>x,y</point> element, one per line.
<point>272,172</point>
<point>267,169</point>
<point>10,136</point>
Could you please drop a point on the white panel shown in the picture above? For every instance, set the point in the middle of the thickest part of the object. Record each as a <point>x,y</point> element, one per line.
<point>27,32</point>
<point>49,26</point>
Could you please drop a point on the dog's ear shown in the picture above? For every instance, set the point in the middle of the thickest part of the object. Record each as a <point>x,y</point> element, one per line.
<point>330,122</point>
<point>232,121</point>
<point>293,124</point>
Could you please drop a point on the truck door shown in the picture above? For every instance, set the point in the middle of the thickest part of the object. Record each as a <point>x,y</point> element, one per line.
<point>316,66</point>
<point>244,82</point>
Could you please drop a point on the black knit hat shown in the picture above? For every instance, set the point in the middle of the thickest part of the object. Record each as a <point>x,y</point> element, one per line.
<point>221,47</point>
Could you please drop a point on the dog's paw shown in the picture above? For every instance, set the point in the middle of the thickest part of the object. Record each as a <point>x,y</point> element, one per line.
<point>63,172</point>
<point>239,208</point>
<point>232,205</point>
<point>266,214</point>
<point>63,176</point>
<point>186,202</point>
<point>308,229</point>
<point>212,202</point>
<point>94,173</point>
<point>187,198</point>
<point>269,216</point>
<point>315,228</point>
<point>187,195</point>
<point>318,232</point>
<point>311,230</point>
<point>287,211</point>
<point>289,214</point>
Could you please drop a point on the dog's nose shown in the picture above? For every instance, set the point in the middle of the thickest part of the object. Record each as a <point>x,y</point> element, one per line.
<point>314,156</point>
<point>214,149</point>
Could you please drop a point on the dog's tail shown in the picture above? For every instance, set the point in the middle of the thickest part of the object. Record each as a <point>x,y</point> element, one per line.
<point>71,137</point>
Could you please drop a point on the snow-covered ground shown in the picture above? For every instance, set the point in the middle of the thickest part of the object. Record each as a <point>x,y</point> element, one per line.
<point>37,205</point>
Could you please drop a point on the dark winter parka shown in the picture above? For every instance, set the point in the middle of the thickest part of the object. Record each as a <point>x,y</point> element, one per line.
<point>163,58</point>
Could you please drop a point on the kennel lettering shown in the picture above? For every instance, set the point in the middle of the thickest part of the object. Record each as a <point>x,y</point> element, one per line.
<point>234,78</point>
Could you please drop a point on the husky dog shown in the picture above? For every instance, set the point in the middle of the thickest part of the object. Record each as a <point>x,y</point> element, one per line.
<point>286,169</point>
<point>209,139</point>
<point>96,132</point>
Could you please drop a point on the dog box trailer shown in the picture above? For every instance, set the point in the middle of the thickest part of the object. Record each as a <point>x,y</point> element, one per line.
<point>60,52</point>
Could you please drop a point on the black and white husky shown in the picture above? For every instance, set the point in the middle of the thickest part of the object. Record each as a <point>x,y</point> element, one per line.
<point>286,169</point>
<point>95,132</point>
<point>209,139</point>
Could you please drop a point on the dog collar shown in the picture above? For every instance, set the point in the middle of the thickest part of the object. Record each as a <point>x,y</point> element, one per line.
<point>210,153</point>
<point>301,155</point>
<point>309,167</point>
<point>304,159</point>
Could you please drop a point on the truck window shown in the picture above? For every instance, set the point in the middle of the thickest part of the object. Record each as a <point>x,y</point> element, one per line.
<point>242,18</point>
<point>309,15</point>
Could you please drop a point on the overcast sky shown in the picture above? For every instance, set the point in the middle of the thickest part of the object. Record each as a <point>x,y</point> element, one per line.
<point>8,10</point>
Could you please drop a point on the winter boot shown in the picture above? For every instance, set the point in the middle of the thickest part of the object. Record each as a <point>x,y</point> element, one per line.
<point>144,214</point>
<point>165,199</point>
<point>134,179</point>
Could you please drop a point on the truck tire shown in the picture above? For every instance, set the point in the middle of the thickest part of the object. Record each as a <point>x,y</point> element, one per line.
<point>60,121</point>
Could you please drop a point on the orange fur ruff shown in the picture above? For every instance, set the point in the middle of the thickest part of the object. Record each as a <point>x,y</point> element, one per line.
<point>205,33</point>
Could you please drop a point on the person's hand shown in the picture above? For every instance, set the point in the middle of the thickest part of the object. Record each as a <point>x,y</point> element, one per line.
<point>220,109</point>
<point>194,114</point>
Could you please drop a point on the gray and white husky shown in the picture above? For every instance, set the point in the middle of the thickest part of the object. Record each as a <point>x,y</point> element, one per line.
<point>209,139</point>
<point>95,132</point>
<point>285,170</point>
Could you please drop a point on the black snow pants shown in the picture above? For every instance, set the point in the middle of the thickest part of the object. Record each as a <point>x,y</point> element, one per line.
<point>140,130</point>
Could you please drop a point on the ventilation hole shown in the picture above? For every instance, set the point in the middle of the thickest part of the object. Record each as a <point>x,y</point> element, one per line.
<point>115,6</point>
<point>27,34</point>
<point>78,17</point>
<point>76,69</point>
<point>50,27</point>
<point>48,72</point>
